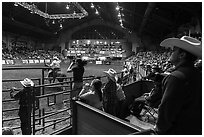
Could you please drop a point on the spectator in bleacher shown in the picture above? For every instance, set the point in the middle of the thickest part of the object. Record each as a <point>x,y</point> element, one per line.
<point>155,69</point>
<point>110,100</point>
<point>126,75</point>
<point>77,67</point>
<point>92,94</point>
<point>25,101</point>
<point>121,98</point>
<point>152,99</point>
<point>180,111</point>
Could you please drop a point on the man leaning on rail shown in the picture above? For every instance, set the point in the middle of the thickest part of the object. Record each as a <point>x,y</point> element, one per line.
<point>25,101</point>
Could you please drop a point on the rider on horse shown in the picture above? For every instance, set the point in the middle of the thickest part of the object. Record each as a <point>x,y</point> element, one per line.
<point>55,65</point>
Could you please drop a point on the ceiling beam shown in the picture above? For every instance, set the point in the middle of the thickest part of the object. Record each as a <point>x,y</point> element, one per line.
<point>6,20</point>
<point>160,20</point>
<point>188,7</point>
<point>148,11</point>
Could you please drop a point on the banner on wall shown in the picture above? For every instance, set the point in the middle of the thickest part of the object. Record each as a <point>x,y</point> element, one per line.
<point>25,61</point>
<point>42,61</point>
<point>47,61</point>
<point>98,62</point>
<point>31,61</point>
<point>9,62</point>
<point>36,61</point>
<point>3,62</point>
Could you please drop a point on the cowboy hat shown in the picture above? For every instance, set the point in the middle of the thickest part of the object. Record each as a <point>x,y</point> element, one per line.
<point>111,73</point>
<point>27,82</point>
<point>186,43</point>
<point>55,58</point>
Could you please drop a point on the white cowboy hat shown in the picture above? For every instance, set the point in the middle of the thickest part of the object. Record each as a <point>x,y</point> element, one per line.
<point>55,58</point>
<point>27,82</point>
<point>111,73</point>
<point>186,43</point>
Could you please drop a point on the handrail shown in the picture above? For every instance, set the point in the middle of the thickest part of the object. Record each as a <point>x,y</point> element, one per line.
<point>51,124</point>
<point>13,118</point>
<point>10,80</point>
<point>14,68</point>
<point>8,100</point>
<point>11,109</point>
<point>53,94</point>
<point>53,114</point>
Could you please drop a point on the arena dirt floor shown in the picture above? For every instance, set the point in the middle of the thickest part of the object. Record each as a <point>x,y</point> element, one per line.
<point>90,70</point>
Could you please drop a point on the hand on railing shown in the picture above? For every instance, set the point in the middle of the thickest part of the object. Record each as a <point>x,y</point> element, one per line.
<point>13,89</point>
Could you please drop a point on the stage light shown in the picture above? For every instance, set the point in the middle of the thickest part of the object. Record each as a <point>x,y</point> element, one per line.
<point>15,4</point>
<point>117,8</point>
<point>96,12</point>
<point>92,6</point>
<point>61,26</point>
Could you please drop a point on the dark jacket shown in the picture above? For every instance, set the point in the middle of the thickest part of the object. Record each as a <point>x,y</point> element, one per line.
<point>109,97</point>
<point>25,99</point>
<point>78,72</point>
<point>180,111</point>
<point>155,97</point>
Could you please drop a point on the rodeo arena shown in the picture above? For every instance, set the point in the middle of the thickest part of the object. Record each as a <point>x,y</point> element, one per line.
<point>101,68</point>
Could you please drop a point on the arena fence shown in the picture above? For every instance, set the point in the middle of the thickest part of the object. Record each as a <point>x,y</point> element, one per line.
<point>46,106</point>
<point>41,102</point>
<point>41,116</point>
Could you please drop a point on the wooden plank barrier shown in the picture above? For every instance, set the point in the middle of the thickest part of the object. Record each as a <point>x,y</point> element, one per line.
<point>133,91</point>
<point>88,120</point>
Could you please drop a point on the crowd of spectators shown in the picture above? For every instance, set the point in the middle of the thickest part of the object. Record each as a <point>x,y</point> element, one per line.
<point>23,52</point>
<point>98,50</point>
<point>150,59</point>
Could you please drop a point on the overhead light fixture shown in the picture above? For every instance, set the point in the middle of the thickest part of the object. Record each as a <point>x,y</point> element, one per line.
<point>61,26</point>
<point>15,4</point>
<point>34,9</point>
<point>96,12</point>
<point>53,21</point>
<point>92,6</point>
<point>117,8</point>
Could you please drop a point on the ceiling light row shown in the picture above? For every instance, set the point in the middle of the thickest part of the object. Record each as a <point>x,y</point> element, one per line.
<point>94,7</point>
<point>119,9</point>
<point>34,9</point>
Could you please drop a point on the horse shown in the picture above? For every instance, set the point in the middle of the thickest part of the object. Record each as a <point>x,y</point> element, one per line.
<point>60,76</point>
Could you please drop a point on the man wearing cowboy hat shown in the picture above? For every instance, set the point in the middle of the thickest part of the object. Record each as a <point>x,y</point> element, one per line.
<point>25,101</point>
<point>55,65</point>
<point>110,101</point>
<point>180,111</point>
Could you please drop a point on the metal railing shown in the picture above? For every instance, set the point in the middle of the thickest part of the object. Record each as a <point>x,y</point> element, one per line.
<point>41,119</point>
<point>39,116</point>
